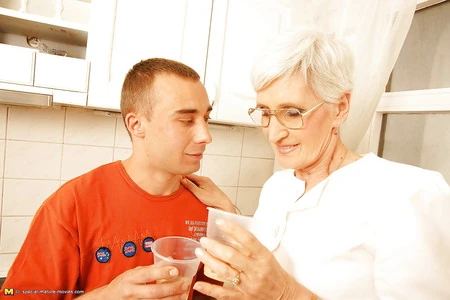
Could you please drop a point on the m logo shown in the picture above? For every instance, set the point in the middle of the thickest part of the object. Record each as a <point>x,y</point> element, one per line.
<point>8,292</point>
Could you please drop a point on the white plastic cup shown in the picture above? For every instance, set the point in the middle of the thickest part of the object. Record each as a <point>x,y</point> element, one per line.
<point>178,252</point>
<point>255,226</point>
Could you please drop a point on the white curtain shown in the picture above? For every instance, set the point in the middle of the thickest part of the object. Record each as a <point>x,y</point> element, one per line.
<point>375,30</point>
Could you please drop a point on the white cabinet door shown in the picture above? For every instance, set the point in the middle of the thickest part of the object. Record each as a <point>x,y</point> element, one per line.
<point>143,29</point>
<point>62,73</point>
<point>16,64</point>
<point>239,28</point>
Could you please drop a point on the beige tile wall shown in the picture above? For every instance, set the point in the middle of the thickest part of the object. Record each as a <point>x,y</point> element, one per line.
<point>42,148</point>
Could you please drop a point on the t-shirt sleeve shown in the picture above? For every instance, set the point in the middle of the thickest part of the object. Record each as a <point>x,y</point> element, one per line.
<point>48,260</point>
<point>412,258</point>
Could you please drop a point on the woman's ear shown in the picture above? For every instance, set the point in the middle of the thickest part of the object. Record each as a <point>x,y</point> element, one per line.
<point>134,125</point>
<point>343,108</point>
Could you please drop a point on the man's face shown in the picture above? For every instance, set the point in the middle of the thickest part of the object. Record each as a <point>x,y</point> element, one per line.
<point>177,133</point>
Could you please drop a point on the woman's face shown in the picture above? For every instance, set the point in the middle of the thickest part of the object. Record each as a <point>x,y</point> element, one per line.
<point>302,148</point>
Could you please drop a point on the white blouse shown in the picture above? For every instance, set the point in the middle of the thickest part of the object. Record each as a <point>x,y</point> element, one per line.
<point>374,229</point>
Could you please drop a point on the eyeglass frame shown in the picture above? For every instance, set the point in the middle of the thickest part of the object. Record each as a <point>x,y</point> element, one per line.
<point>274,112</point>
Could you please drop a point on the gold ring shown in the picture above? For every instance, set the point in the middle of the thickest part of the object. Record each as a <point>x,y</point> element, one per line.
<point>236,280</point>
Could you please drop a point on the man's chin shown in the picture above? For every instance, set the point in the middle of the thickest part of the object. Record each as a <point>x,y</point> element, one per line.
<point>188,171</point>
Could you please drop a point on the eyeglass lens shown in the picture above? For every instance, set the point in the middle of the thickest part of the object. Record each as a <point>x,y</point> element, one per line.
<point>290,118</point>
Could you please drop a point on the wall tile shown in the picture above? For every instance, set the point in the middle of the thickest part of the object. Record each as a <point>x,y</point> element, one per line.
<point>255,171</point>
<point>32,160</point>
<point>2,156</point>
<point>6,261</point>
<point>231,192</point>
<point>23,197</point>
<point>78,160</point>
<point>14,230</point>
<point>247,200</point>
<point>36,124</point>
<point>122,139</point>
<point>226,140</point>
<point>223,170</point>
<point>89,128</point>
<point>122,153</point>
<point>1,199</point>
<point>256,144</point>
<point>3,118</point>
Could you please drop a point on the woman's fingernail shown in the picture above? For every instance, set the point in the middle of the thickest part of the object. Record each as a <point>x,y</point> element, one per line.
<point>204,242</point>
<point>198,287</point>
<point>199,252</point>
<point>173,272</point>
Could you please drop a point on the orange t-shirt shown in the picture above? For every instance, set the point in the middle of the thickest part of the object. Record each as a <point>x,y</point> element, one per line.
<point>94,228</point>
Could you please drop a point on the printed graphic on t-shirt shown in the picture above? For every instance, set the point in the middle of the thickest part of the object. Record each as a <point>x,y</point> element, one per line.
<point>197,229</point>
<point>128,245</point>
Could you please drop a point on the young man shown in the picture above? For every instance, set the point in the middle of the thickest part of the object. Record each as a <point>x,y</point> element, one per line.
<point>93,236</point>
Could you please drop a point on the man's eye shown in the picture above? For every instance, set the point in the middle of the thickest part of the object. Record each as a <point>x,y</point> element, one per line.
<point>187,121</point>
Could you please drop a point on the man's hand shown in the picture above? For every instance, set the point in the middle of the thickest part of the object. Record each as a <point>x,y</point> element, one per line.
<point>140,283</point>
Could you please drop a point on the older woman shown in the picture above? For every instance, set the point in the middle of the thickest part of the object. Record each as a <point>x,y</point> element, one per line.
<point>345,226</point>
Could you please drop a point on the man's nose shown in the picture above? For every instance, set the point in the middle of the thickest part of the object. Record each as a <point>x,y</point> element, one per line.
<point>203,134</point>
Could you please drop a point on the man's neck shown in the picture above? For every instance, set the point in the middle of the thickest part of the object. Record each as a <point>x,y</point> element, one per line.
<point>154,182</point>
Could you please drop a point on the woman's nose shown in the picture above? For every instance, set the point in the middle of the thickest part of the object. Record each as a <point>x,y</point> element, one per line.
<point>275,131</point>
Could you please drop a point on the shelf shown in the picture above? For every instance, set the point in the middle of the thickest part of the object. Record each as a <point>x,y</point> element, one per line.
<point>42,27</point>
<point>431,100</point>
<point>421,4</point>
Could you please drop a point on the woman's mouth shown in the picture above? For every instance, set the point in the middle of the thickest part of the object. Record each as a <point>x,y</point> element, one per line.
<point>285,149</point>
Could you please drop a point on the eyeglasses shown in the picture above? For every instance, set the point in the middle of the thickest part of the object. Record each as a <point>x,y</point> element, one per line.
<point>290,118</point>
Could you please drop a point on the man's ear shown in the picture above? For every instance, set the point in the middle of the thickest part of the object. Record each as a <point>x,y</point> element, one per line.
<point>134,125</point>
<point>343,108</point>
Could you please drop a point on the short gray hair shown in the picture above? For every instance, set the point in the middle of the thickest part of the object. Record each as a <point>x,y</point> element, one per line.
<point>325,63</point>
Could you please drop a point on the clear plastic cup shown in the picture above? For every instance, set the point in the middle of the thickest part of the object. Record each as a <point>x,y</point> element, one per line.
<point>178,252</point>
<point>255,226</point>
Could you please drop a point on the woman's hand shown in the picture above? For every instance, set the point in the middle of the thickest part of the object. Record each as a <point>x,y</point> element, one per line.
<point>206,191</point>
<point>260,275</point>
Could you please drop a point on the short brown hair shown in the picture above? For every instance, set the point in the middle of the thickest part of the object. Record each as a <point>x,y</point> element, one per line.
<point>137,87</point>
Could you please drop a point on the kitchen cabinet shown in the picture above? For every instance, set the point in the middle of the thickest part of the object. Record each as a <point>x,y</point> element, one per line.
<point>33,67</point>
<point>217,38</point>
<point>131,31</point>
<point>62,73</point>
<point>17,64</point>
<point>239,28</point>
